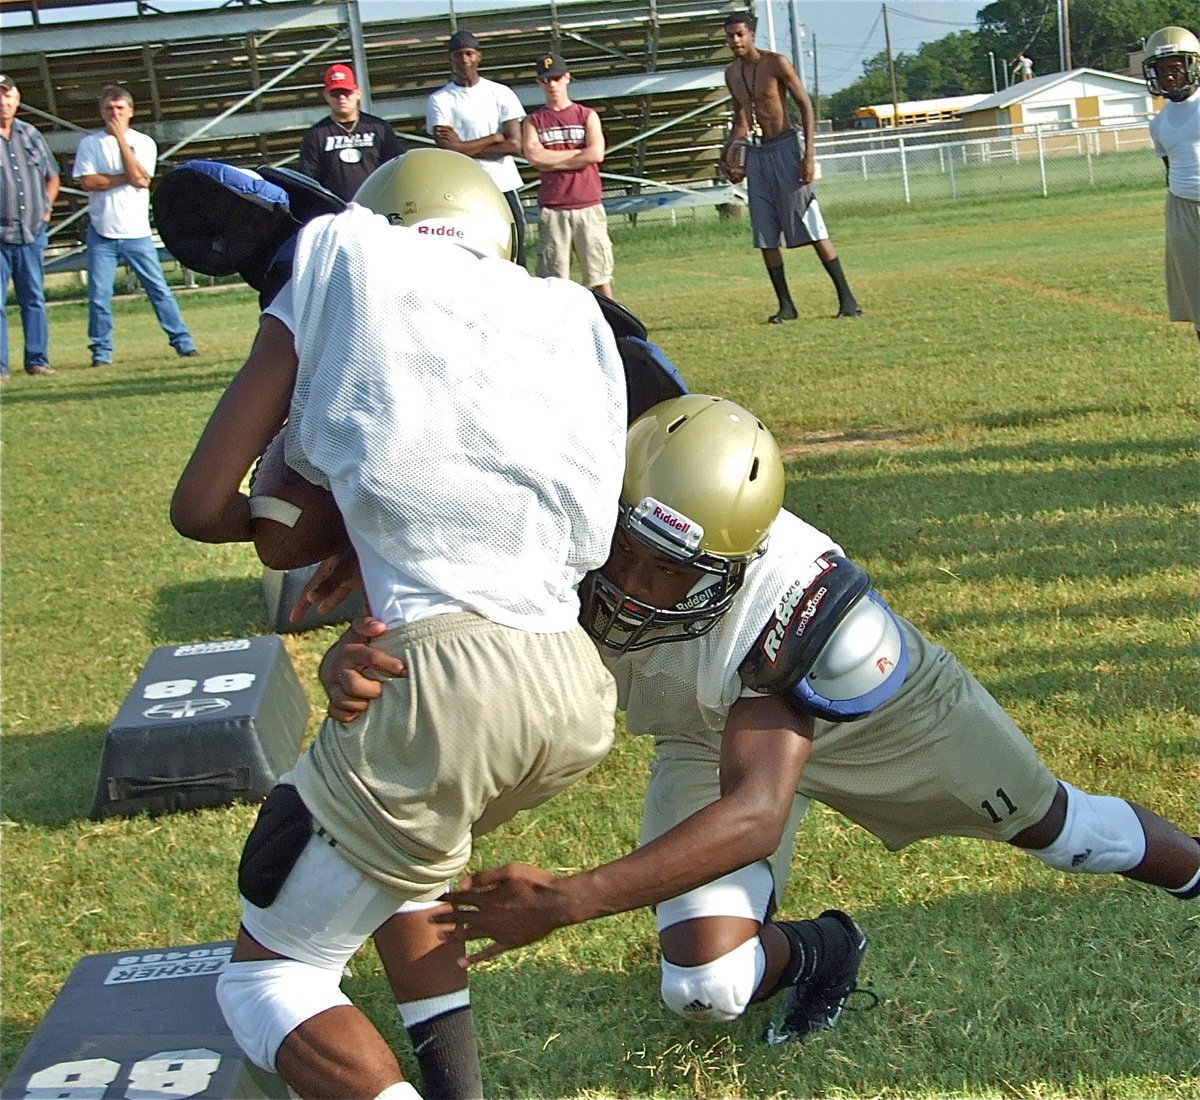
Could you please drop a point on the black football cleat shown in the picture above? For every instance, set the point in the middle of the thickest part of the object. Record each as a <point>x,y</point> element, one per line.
<point>817,1003</point>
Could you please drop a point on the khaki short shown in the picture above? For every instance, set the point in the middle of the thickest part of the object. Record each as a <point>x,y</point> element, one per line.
<point>941,759</point>
<point>586,230</point>
<point>489,722</point>
<point>1183,259</point>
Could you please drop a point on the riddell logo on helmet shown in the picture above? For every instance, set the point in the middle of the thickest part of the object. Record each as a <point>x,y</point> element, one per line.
<point>442,230</point>
<point>670,520</point>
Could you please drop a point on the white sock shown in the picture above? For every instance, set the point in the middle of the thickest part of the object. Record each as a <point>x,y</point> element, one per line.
<point>401,1090</point>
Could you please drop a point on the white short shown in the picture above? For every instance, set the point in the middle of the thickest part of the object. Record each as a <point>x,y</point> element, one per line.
<point>325,911</point>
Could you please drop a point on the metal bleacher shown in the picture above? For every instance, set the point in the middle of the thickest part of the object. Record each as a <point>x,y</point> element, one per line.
<point>241,82</point>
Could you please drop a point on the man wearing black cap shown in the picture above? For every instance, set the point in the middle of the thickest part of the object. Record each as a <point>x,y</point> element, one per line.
<point>341,151</point>
<point>565,143</point>
<point>481,119</point>
<point>28,187</point>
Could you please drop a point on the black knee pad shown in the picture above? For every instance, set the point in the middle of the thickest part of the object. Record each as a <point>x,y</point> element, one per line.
<point>283,828</point>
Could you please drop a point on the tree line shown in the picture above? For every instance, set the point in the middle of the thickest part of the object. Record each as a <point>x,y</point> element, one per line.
<point>1102,35</point>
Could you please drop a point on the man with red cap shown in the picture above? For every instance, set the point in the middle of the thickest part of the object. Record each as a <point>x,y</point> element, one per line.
<point>341,151</point>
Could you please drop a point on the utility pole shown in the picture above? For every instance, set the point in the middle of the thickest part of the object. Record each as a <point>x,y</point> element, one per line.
<point>887,38</point>
<point>797,29</point>
<point>1068,63</point>
<point>816,97</point>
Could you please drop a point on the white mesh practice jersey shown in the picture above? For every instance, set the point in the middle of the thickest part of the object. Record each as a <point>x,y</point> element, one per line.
<point>1175,132</point>
<point>469,418</point>
<point>686,688</point>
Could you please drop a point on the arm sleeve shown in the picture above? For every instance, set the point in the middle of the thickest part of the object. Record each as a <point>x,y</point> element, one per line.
<point>434,115</point>
<point>146,151</point>
<point>51,164</point>
<point>390,146</point>
<point>85,161</point>
<point>509,105</point>
<point>283,307</point>
<point>309,163</point>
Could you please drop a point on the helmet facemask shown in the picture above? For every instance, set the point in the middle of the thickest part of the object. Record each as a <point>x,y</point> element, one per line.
<point>703,484</point>
<point>622,622</point>
<point>1172,43</point>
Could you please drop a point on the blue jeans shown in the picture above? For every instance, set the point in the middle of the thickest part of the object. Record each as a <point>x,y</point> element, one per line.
<point>23,264</point>
<point>103,255</point>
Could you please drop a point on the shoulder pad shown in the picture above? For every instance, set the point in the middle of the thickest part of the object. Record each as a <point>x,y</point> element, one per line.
<point>804,621</point>
<point>650,377</point>
<point>861,667</point>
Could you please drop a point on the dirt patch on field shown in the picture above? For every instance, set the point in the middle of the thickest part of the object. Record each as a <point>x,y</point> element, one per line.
<point>813,442</point>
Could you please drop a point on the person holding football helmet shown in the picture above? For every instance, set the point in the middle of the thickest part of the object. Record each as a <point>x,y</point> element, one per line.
<point>1172,71</point>
<point>770,672</point>
<point>469,420</point>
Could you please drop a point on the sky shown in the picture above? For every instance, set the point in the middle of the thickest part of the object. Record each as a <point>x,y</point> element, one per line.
<point>846,32</point>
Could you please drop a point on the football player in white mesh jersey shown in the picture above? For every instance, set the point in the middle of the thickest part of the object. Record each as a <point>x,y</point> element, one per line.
<point>469,421</point>
<point>769,673</point>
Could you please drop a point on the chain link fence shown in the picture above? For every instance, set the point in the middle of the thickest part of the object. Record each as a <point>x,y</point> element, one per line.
<point>898,169</point>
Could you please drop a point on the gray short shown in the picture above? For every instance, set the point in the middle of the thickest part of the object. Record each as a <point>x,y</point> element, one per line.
<point>783,212</point>
<point>1183,260</point>
<point>941,759</point>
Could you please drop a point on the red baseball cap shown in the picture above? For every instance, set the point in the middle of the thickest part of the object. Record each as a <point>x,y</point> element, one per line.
<point>340,77</point>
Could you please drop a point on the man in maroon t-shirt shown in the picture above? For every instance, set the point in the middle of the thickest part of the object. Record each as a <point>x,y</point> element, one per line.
<point>565,143</point>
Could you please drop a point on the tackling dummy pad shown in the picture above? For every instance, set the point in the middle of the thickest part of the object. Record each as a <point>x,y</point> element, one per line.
<point>833,645</point>
<point>650,377</point>
<point>206,724</point>
<point>220,220</point>
<point>140,1023</point>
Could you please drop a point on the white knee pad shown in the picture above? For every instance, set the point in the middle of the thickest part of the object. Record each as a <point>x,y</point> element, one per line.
<point>1101,835</point>
<point>263,1002</point>
<point>718,991</point>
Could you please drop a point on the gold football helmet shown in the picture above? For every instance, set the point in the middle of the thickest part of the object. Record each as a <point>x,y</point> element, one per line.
<point>703,484</point>
<point>443,194</point>
<point>1172,42</point>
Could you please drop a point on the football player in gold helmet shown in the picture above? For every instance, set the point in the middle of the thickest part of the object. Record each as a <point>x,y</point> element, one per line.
<point>1172,70</point>
<point>770,672</point>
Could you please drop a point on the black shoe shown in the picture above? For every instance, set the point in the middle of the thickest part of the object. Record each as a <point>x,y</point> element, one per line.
<point>190,354</point>
<point>781,316</point>
<point>40,368</point>
<point>811,1005</point>
<point>101,363</point>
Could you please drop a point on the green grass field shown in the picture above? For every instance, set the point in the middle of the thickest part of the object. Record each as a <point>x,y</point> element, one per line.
<point>1007,440</point>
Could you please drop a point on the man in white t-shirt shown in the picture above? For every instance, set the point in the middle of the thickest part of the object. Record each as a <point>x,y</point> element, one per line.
<point>482,119</point>
<point>115,165</point>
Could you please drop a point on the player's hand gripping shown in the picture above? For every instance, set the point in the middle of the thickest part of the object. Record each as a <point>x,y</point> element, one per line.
<point>353,670</point>
<point>511,906</point>
<point>332,581</point>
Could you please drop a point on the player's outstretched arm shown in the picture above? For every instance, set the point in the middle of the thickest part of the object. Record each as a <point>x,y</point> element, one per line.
<point>764,748</point>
